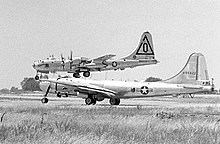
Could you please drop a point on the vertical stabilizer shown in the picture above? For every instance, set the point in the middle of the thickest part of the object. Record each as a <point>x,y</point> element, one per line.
<point>194,72</point>
<point>145,49</point>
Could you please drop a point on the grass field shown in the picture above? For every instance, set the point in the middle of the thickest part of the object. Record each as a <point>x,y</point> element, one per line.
<point>63,123</point>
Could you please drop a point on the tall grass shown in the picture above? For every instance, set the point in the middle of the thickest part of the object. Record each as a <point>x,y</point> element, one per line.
<point>109,125</point>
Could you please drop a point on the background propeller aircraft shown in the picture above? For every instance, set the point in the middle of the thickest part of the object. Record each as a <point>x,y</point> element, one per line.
<point>142,55</point>
<point>192,79</point>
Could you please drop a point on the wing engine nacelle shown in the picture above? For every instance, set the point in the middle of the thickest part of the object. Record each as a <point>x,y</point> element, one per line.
<point>61,88</point>
<point>76,61</point>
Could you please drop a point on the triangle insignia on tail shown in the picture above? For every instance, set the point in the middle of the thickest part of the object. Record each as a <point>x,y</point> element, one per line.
<point>145,48</point>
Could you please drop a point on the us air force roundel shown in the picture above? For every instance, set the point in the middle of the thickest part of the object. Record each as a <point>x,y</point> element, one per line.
<point>144,90</point>
<point>114,64</point>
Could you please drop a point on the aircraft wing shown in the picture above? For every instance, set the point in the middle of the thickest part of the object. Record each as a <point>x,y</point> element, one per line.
<point>86,88</point>
<point>103,58</point>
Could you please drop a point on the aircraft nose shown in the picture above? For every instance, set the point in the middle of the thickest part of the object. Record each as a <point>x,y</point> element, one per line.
<point>44,86</point>
<point>35,64</point>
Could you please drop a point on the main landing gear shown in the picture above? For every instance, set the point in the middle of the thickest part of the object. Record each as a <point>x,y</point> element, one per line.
<point>114,101</point>
<point>90,100</point>
<point>85,74</point>
<point>76,75</point>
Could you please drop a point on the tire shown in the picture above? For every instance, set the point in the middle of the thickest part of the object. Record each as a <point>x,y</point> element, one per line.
<point>44,100</point>
<point>36,77</point>
<point>86,74</point>
<point>94,102</point>
<point>114,101</point>
<point>76,75</point>
<point>88,101</point>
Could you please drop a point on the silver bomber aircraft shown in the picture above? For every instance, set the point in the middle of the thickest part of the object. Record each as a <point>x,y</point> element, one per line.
<point>142,55</point>
<point>192,79</point>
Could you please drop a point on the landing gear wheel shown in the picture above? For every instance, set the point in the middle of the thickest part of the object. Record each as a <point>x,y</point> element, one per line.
<point>36,77</point>
<point>94,102</point>
<point>44,100</point>
<point>76,75</point>
<point>88,101</point>
<point>86,74</point>
<point>114,101</point>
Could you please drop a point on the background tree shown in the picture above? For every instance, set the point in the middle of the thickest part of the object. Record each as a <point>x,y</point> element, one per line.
<point>30,84</point>
<point>153,79</point>
<point>5,91</point>
<point>13,90</point>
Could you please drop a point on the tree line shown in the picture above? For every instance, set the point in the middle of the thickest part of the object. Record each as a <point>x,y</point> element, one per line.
<point>27,84</point>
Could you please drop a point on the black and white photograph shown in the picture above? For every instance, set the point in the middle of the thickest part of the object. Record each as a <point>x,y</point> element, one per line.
<point>109,72</point>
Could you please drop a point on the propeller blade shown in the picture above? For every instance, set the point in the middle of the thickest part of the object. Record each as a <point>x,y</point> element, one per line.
<point>71,55</point>
<point>71,59</point>
<point>62,59</point>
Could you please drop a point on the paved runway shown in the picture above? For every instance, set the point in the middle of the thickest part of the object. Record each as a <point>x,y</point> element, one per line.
<point>34,101</point>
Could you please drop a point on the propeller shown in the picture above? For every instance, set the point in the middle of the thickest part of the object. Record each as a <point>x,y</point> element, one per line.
<point>63,63</point>
<point>213,85</point>
<point>71,55</point>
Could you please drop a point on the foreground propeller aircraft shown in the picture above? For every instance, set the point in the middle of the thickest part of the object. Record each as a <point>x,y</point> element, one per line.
<point>193,78</point>
<point>142,55</point>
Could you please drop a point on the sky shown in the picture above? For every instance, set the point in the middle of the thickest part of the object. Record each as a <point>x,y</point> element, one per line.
<point>34,29</point>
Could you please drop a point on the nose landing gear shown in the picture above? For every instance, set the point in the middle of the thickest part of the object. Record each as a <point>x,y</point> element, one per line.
<point>36,77</point>
<point>45,100</point>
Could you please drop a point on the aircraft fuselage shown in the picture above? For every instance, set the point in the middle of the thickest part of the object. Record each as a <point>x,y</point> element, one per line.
<point>131,89</point>
<point>57,65</point>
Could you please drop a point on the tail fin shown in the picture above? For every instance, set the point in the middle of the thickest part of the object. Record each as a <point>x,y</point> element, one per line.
<point>194,72</point>
<point>145,49</point>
